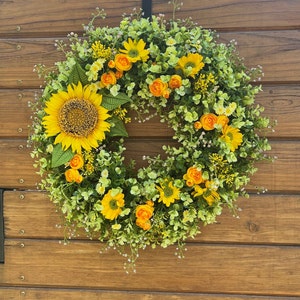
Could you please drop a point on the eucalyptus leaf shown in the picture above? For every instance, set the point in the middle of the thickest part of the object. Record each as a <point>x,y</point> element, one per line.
<point>60,156</point>
<point>111,102</point>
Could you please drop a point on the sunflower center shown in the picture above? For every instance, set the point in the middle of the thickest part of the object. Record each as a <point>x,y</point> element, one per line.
<point>78,117</point>
<point>133,53</point>
<point>189,64</point>
<point>168,192</point>
<point>113,204</point>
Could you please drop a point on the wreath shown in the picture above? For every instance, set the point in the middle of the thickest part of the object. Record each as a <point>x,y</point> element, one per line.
<point>150,67</point>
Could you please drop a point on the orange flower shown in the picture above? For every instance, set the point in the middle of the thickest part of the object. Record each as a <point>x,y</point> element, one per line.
<point>122,62</point>
<point>76,162</point>
<point>175,81</point>
<point>108,78</point>
<point>144,212</point>
<point>119,74</point>
<point>158,87</point>
<point>208,121</point>
<point>111,64</point>
<point>144,224</point>
<point>197,125</point>
<point>72,175</point>
<point>193,176</point>
<point>222,120</point>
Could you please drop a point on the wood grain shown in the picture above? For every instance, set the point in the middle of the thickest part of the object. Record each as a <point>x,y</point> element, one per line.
<point>78,294</point>
<point>263,219</point>
<point>57,17</point>
<point>219,268</point>
<point>236,14</point>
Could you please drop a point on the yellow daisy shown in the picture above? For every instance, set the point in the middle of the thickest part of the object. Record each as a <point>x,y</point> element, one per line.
<point>135,50</point>
<point>76,118</point>
<point>190,64</point>
<point>232,137</point>
<point>168,192</point>
<point>112,204</point>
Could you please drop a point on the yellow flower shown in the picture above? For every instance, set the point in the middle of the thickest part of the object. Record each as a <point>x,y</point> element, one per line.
<point>211,196</point>
<point>99,50</point>
<point>112,204</point>
<point>168,192</point>
<point>135,50</point>
<point>76,118</point>
<point>232,137</point>
<point>190,64</point>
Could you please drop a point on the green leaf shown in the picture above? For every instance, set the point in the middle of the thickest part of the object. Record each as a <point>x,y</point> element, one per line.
<point>111,102</point>
<point>59,156</point>
<point>118,129</point>
<point>78,74</point>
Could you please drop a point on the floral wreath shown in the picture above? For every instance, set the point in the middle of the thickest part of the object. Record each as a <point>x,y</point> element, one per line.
<point>177,71</point>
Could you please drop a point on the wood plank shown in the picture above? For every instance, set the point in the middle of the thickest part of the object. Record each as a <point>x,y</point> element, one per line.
<point>17,170</point>
<point>16,166</point>
<point>15,115</point>
<point>218,268</point>
<point>56,17</point>
<point>281,103</point>
<point>266,48</point>
<point>75,294</point>
<point>263,219</point>
<point>236,14</point>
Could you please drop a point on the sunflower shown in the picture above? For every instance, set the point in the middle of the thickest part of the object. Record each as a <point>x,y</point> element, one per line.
<point>112,204</point>
<point>232,137</point>
<point>135,50</point>
<point>191,64</point>
<point>76,118</point>
<point>168,192</point>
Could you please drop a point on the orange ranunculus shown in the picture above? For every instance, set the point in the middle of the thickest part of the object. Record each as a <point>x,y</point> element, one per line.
<point>175,81</point>
<point>111,64</point>
<point>72,175</point>
<point>144,224</point>
<point>108,78</point>
<point>197,125</point>
<point>222,120</point>
<point>158,87</point>
<point>122,62</point>
<point>76,162</point>
<point>119,74</point>
<point>193,176</point>
<point>208,121</point>
<point>144,212</point>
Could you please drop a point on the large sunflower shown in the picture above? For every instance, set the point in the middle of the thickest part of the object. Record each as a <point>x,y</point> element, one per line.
<point>76,118</point>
